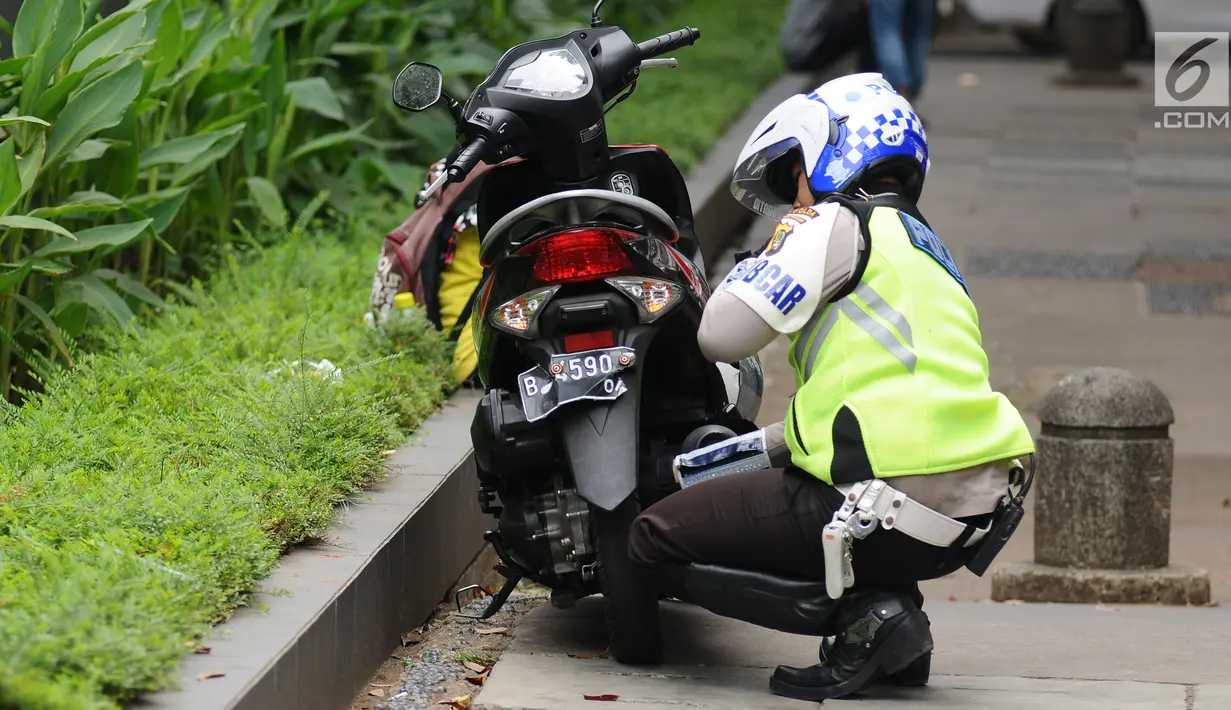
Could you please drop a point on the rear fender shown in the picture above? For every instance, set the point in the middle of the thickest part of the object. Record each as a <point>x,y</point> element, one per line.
<point>601,439</point>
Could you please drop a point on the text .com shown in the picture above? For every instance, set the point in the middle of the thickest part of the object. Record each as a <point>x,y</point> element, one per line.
<point>1194,119</point>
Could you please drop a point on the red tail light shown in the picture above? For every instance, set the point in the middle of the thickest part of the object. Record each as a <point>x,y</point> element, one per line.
<point>588,341</point>
<point>579,255</point>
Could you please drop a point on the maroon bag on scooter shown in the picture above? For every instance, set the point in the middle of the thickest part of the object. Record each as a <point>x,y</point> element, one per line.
<point>415,252</point>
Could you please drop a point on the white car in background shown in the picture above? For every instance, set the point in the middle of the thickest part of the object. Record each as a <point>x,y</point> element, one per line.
<point>1035,20</point>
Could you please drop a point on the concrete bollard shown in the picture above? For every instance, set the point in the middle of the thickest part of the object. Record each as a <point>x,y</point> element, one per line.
<point>1102,499</point>
<point>1094,34</point>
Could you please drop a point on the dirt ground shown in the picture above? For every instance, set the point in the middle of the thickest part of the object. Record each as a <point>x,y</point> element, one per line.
<point>444,662</point>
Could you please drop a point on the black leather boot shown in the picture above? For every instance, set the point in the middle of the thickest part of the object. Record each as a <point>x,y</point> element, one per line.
<point>916,675</point>
<point>879,634</point>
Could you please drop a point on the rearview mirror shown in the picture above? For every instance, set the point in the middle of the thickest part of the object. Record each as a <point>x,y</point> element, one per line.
<point>417,87</point>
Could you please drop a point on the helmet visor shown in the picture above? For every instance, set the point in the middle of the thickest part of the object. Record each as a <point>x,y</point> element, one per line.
<point>763,182</point>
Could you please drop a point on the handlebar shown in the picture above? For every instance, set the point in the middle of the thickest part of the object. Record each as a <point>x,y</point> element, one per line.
<point>473,152</point>
<point>668,43</point>
<point>467,159</point>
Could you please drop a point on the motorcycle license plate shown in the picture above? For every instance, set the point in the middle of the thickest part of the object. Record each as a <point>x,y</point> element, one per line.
<point>594,374</point>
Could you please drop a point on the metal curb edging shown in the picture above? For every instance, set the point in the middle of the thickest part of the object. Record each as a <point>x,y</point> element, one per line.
<point>335,610</point>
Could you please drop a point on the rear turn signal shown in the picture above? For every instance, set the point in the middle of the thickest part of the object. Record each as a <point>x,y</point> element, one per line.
<point>579,255</point>
<point>520,315</point>
<point>652,296</point>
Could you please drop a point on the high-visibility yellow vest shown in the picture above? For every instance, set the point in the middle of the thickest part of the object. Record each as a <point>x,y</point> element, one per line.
<point>891,377</point>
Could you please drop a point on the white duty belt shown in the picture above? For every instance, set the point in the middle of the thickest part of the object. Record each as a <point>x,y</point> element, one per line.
<point>872,503</point>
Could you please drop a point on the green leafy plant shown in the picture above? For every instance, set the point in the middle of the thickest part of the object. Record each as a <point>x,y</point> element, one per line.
<point>136,149</point>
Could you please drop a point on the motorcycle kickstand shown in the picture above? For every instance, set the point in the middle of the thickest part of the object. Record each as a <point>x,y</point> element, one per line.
<point>511,580</point>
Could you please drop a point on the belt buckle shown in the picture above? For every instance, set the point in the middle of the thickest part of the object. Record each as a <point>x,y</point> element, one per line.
<point>858,528</point>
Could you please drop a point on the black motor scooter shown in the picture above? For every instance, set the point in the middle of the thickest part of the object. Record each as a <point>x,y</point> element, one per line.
<point>587,320</point>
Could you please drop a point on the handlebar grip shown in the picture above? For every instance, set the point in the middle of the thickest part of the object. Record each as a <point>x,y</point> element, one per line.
<point>467,159</point>
<point>668,43</point>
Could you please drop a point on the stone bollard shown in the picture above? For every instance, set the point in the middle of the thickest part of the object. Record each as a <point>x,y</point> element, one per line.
<point>1102,499</point>
<point>1095,37</point>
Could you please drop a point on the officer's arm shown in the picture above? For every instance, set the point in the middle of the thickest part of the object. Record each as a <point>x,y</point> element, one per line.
<point>777,292</point>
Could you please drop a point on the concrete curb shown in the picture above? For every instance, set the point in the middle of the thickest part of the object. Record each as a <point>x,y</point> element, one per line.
<point>389,559</point>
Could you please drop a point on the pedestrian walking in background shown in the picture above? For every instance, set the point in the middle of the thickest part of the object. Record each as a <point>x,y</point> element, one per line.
<point>901,32</point>
<point>817,33</point>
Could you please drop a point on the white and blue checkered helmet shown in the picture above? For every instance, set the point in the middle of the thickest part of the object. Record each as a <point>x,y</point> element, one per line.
<point>847,129</point>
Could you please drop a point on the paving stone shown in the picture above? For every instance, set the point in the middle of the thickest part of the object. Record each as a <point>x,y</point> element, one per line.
<point>1184,246</point>
<point>533,682</point>
<point>1182,169</point>
<point>1211,697</point>
<point>1024,263</point>
<point>1182,299</point>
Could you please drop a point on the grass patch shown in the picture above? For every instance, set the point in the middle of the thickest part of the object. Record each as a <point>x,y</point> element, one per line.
<point>150,488</point>
<point>686,109</point>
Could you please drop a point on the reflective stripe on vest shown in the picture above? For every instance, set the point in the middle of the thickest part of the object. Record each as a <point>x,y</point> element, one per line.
<point>892,379</point>
<point>846,306</point>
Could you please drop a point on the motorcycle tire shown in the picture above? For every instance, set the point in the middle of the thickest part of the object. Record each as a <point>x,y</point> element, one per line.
<point>630,597</point>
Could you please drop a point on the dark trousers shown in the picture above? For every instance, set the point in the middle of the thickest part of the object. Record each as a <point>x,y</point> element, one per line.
<point>772,521</point>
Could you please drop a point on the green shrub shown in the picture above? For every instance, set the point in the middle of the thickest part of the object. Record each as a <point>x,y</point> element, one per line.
<point>150,487</point>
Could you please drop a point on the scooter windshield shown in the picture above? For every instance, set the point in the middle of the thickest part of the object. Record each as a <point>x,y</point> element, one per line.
<point>553,74</point>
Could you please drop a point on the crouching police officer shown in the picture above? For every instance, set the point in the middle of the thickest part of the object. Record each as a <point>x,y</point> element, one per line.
<point>896,461</point>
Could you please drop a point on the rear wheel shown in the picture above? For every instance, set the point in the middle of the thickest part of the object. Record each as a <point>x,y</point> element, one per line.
<point>630,596</point>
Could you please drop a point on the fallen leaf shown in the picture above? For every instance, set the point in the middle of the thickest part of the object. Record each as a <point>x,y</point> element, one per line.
<point>601,697</point>
<point>1226,502</point>
<point>195,647</point>
<point>376,693</point>
<point>210,674</point>
<point>329,557</point>
<point>493,630</point>
<point>476,667</point>
<point>586,655</point>
<point>411,638</point>
<point>458,703</point>
<point>477,679</point>
<point>952,598</point>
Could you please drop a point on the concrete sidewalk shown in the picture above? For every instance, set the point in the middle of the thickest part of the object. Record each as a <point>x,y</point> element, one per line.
<point>1028,657</point>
